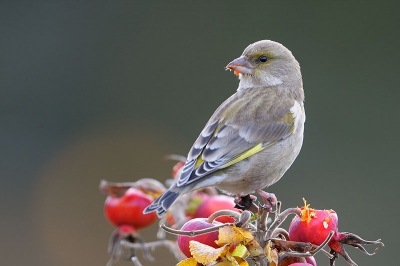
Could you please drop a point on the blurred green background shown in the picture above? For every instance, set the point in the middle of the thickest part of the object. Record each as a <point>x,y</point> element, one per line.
<point>97,90</point>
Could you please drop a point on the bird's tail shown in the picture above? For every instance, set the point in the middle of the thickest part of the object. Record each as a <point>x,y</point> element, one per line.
<point>164,202</point>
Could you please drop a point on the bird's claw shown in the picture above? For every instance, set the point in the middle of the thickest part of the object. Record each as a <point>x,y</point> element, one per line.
<point>269,199</point>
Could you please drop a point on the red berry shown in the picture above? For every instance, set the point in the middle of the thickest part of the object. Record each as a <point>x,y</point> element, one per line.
<point>177,170</point>
<point>128,209</point>
<point>300,264</point>
<point>216,203</point>
<point>313,226</point>
<point>193,204</point>
<point>196,224</point>
<point>311,260</point>
<point>125,230</point>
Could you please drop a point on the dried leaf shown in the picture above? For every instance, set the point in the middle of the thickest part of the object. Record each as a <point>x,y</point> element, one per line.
<point>272,255</point>
<point>292,245</point>
<point>289,261</point>
<point>233,234</point>
<point>148,186</point>
<point>231,259</point>
<point>205,254</point>
<point>254,248</point>
<point>188,262</point>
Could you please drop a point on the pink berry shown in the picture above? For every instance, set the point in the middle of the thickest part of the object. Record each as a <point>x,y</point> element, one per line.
<point>197,224</point>
<point>216,203</point>
<point>313,226</point>
<point>311,260</point>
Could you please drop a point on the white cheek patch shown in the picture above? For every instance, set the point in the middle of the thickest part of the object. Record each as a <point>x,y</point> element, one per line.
<point>247,81</point>
<point>271,80</point>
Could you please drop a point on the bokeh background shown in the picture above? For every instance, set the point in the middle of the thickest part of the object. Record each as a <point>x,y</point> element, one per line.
<point>93,90</point>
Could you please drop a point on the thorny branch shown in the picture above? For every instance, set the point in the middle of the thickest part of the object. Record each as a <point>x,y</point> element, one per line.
<point>279,219</point>
<point>194,232</point>
<point>299,249</point>
<point>266,238</point>
<point>262,233</point>
<point>217,214</point>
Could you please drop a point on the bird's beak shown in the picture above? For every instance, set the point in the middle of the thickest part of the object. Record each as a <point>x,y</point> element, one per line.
<point>241,65</point>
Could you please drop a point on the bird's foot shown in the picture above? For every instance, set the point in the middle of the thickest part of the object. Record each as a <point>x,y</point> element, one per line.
<point>246,203</point>
<point>268,198</point>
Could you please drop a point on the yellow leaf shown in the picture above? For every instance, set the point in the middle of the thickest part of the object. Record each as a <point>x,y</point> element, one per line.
<point>233,234</point>
<point>254,248</point>
<point>237,262</point>
<point>242,262</point>
<point>205,254</point>
<point>240,251</point>
<point>187,262</point>
<point>226,263</point>
<point>272,255</point>
<point>232,259</point>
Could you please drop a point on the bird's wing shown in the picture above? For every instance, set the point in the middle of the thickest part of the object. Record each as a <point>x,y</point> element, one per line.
<point>239,128</point>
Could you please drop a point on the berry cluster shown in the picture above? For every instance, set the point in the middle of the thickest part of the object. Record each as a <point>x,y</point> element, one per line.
<point>211,231</point>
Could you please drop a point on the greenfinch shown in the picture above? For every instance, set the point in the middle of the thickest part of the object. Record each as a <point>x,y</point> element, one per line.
<point>253,137</point>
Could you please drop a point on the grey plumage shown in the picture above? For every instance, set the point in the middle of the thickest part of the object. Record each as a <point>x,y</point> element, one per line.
<point>254,136</point>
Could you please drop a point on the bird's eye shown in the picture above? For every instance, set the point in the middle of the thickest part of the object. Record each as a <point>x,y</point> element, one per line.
<point>263,58</point>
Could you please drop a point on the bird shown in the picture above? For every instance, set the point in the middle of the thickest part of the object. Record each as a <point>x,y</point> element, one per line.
<point>254,136</point>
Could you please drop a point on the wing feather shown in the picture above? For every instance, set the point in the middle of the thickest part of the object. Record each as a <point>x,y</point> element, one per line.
<point>242,126</point>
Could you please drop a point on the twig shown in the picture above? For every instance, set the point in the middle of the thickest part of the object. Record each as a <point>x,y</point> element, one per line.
<point>254,208</point>
<point>145,249</point>
<point>136,261</point>
<point>233,214</point>
<point>278,209</point>
<point>279,220</point>
<point>244,219</point>
<point>173,248</point>
<point>285,254</point>
<point>262,223</point>
<point>323,244</point>
<point>117,189</point>
<point>193,233</point>
<point>280,231</point>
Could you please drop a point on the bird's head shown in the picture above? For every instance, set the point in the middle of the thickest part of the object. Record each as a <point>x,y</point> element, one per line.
<point>265,64</point>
